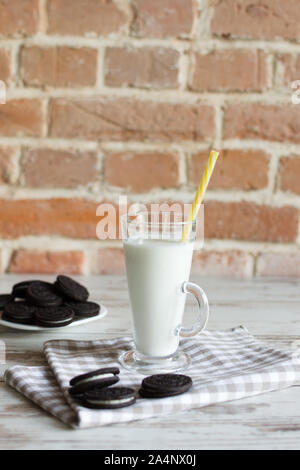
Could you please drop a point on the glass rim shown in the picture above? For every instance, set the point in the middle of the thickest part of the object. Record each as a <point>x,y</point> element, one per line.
<point>158,223</point>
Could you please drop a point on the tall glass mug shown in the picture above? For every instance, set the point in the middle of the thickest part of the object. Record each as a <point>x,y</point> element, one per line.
<point>158,263</point>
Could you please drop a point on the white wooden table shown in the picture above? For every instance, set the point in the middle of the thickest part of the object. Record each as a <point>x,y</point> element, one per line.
<point>269,309</point>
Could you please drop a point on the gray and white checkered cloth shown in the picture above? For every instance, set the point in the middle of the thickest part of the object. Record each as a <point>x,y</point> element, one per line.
<point>226,365</point>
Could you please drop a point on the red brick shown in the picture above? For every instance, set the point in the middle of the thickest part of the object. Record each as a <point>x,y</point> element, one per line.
<point>141,172</point>
<point>46,262</point>
<point>235,169</point>
<point>7,164</point>
<point>74,218</point>
<point>21,117</point>
<point>163,18</point>
<point>231,264</point>
<point>110,261</point>
<point>58,66</point>
<point>142,67</point>
<point>5,68</point>
<point>229,70</point>
<point>256,19</point>
<point>278,265</point>
<point>58,168</point>
<point>288,68</point>
<point>289,174</point>
<point>267,122</point>
<point>85,17</point>
<point>249,221</point>
<point>19,17</point>
<point>130,119</point>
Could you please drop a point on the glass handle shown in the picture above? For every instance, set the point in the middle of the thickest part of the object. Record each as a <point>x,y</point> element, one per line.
<point>202,318</point>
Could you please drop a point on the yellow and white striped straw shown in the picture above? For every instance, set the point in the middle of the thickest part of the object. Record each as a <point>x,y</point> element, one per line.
<point>209,168</point>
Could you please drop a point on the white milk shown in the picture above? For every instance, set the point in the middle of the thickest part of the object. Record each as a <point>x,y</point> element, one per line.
<point>156,271</point>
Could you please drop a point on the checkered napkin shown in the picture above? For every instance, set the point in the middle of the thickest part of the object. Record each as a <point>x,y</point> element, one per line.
<point>226,365</point>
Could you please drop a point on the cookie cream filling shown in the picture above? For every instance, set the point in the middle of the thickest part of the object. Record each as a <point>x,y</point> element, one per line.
<point>96,377</point>
<point>110,402</point>
<point>56,321</point>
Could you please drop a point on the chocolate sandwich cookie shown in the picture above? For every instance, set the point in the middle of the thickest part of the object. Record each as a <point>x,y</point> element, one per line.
<point>54,317</point>
<point>20,289</point>
<point>109,398</point>
<point>165,385</point>
<point>43,294</point>
<point>71,289</point>
<point>84,309</point>
<point>4,299</point>
<point>19,312</point>
<point>98,378</point>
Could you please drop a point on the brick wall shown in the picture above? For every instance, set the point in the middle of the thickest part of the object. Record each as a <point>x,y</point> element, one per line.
<point>172,78</point>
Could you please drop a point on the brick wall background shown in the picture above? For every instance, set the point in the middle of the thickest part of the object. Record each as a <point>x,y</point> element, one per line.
<point>172,79</point>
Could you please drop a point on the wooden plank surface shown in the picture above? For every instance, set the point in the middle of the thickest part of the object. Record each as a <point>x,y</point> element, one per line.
<point>269,309</point>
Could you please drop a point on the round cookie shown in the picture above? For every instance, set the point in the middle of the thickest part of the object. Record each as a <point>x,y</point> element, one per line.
<point>54,317</point>
<point>4,299</point>
<point>98,378</point>
<point>71,289</point>
<point>109,398</point>
<point>19,312</point>
<point>19,290</point>
<point>43,294</point>
<point>84,309</point>
<point>165,385</point>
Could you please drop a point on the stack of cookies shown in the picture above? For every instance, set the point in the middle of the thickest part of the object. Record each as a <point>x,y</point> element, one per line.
<point>47,305</point>
<point>94,390</point>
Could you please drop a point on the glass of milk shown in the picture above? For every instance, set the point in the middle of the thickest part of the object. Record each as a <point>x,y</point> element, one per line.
<point>158,264</point>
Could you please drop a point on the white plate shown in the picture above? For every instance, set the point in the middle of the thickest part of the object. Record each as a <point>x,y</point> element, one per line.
<point>20,326</point>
